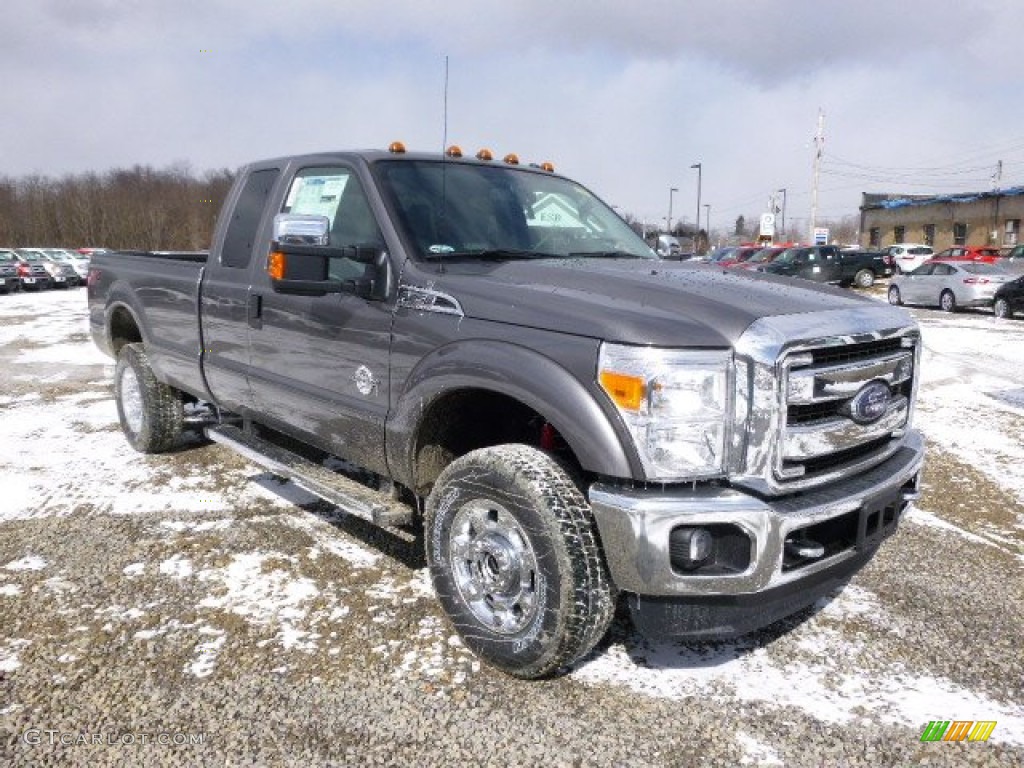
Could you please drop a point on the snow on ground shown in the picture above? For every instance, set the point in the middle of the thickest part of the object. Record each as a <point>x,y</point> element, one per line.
<point>65,454</point>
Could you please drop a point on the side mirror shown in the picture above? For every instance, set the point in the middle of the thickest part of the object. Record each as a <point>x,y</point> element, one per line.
<point>300,258</point>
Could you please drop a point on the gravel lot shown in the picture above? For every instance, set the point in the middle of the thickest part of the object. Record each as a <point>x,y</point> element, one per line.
<point>190,609</point>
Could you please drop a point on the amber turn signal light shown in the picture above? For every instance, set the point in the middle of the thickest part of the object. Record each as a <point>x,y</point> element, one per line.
<point>627,391</point>
<point>275,265</point>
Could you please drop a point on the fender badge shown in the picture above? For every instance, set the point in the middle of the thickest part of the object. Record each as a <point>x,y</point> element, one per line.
<point>365,381</point>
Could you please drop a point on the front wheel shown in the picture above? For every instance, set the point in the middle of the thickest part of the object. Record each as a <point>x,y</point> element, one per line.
<point>864,278</point>
<point>152,413</point>
<point>947,301</point>
<point>515,560</point>
<point>894,296</point>
<point>1001,309</point>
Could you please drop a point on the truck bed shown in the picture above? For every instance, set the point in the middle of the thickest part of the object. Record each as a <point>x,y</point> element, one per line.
<point>161,290</point>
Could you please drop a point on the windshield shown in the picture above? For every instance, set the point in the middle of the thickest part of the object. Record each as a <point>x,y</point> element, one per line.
<point>32,256</point>
<point>451,209</point>
<point>56,255</point>
<point>787,255</point>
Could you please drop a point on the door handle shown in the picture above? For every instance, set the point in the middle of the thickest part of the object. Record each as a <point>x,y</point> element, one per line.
<point>254,313</point>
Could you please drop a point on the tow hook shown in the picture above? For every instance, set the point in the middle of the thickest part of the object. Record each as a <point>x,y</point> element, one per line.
<point>804,548</point>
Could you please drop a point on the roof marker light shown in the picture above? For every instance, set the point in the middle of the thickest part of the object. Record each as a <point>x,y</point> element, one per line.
<point>484,154</point>
<point>454,151</point>
<point>511,158</point>
<point>549,167</point>
<point>397,148</point>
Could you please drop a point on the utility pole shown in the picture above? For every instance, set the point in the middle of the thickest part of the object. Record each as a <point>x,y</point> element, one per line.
<point>819,148</point>
<point>668,221</point>
<point>783,228</point>
<point>696,226</point>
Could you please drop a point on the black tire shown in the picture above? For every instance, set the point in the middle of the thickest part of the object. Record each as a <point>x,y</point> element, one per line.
<point>947,301</point>
<point>152,414</point>
<point>1001,309</point>
<point>894,295</point>
<point>515,560</point>
<point>864,278</point>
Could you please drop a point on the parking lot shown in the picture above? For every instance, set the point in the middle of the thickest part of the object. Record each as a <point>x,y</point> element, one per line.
<point>190,608</point>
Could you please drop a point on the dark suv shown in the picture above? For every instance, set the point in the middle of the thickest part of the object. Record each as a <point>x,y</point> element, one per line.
<point>10,281</point>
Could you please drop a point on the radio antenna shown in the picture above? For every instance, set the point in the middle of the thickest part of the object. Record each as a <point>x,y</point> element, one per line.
<point>444,166</point>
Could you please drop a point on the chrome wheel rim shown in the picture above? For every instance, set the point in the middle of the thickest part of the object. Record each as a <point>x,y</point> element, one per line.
<point>1000,308</point>
<point>494,566</point>
<point>946,300</point>
<point>131,399</point>
<point>894,295</point>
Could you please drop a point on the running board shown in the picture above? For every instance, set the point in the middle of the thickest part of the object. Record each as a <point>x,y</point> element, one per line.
<point>345,493</point>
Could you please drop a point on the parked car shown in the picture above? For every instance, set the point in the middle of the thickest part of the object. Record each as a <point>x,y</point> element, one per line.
<point>77,261</point>
<point>1012,259</point>
<point>741,254</point>
<point>761,257</point>
<point>90,251</point>
<point>1009,298</point>
<point>63,274</point>
<point>32,270</point>
<point>906,257</point>
<point>984,253</point>
<point>949,284</point>
<point>10,281</point>
<point>719,253</point>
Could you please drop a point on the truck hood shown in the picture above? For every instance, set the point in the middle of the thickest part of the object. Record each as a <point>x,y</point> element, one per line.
<point>634,301</point>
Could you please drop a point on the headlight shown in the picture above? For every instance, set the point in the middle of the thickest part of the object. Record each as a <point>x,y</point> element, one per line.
<point>675,404</point>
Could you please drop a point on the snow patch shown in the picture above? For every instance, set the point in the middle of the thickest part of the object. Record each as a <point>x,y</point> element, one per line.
<point>27,563</point>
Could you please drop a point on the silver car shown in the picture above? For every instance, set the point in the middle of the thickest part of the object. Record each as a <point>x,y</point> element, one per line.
<point>949,284</point>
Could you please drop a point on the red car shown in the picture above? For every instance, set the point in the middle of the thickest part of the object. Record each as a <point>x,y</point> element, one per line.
<point>985,253</point>
<point>762,257</point>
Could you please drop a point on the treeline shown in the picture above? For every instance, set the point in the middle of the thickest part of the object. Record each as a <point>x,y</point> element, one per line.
<point>139,207</point>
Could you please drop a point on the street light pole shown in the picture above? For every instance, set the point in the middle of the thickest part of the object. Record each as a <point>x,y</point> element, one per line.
<point>668,223</point>
<point>707,221</point>
<point>696,233</point>
<point>783,191</point>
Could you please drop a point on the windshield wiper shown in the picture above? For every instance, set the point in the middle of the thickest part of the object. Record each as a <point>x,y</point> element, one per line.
<point>605,255</point>
<point>490,254</point>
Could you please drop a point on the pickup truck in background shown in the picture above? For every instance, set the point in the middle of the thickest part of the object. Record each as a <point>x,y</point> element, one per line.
<point>829,264</point>
<point>567,419</point>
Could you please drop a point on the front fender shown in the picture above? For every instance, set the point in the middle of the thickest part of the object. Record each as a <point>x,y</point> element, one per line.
<point>524,374</point>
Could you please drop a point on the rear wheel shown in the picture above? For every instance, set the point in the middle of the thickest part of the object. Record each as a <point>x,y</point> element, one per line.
<point>1001,309</point>
<point>947,301</point>
<point>894,296</point>
<point>864,278</point>
<point>152,413</point>
<point>515,560</point>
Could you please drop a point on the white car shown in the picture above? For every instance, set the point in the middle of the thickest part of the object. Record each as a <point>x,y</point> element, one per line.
<point>906,257</point>
<point>949,285</point>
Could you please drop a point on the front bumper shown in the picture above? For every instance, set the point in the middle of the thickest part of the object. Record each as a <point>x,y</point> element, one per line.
<point>635,527</point>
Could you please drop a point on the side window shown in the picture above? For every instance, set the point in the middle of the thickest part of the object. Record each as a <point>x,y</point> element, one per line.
<point>245,218</point>
<point>336,193</point>
<point>943,269</point>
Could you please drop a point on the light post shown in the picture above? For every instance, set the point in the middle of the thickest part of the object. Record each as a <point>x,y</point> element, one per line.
<point>696,233</point>
<point>668,222</point>
<point>783,191</point>
<point>707,221</point>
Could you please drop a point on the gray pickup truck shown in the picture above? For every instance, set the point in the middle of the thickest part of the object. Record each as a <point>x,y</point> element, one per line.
<point>566,420</point>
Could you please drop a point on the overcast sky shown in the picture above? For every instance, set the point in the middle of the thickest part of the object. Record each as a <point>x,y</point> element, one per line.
<point>919,96</point>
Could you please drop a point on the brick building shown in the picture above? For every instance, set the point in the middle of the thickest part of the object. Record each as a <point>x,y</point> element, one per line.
<point>941,221</point>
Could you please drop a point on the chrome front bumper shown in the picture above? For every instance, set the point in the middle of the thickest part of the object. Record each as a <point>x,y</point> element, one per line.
<point>635,526</point>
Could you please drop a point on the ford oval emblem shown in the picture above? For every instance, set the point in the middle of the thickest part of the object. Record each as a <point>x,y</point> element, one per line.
<point>870,403</point>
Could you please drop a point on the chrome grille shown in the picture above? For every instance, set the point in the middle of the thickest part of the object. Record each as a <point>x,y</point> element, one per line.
<point>799,376</point>
<point>818,431</point>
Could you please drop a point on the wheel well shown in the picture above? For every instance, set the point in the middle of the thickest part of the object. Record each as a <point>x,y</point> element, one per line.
<point>123,329</point>
<point>465,420</point>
